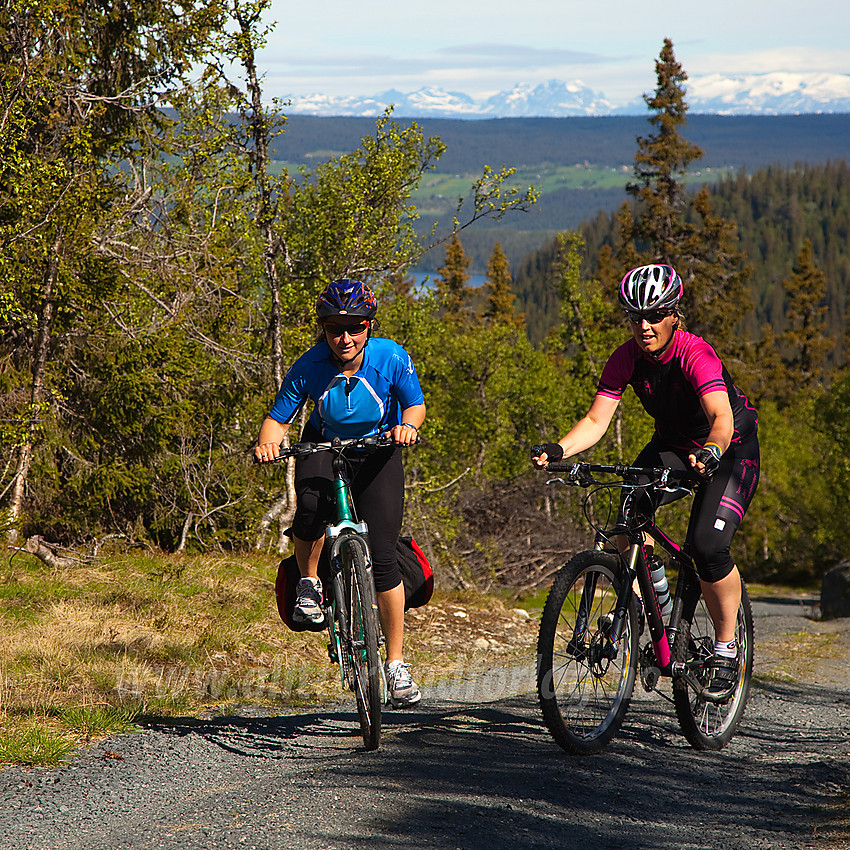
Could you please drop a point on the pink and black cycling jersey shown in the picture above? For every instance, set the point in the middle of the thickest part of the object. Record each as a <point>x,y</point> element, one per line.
<point>670,389</point>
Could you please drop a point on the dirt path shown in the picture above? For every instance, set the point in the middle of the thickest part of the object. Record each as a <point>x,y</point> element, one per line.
<point>471,768</point>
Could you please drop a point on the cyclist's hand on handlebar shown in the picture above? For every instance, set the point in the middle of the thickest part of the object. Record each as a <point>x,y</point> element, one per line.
<point>542,454</point>
<point>403,435</point>
<point>705,461</point>
<point>267,452</point>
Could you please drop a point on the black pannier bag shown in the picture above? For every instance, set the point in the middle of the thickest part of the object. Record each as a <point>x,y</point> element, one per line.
<point>416,574</point>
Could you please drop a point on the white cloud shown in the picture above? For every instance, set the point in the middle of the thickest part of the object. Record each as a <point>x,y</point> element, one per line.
<point>484,46</point>
<point>773,60</point>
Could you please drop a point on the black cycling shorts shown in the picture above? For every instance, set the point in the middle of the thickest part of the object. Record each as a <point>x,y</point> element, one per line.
<point>377,487</point>
<point>719,504</point>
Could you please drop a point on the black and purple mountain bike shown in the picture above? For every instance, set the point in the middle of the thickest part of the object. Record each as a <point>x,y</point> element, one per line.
<point>589,646</point>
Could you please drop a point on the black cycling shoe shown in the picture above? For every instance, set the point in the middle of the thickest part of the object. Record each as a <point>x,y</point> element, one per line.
<point>723,678</point>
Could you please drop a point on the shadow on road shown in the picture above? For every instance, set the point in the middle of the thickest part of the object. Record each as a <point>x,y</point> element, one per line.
<point>487,777</point>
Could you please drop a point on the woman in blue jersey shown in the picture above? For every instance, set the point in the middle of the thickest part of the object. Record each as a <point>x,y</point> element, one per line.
<point>360,386</point>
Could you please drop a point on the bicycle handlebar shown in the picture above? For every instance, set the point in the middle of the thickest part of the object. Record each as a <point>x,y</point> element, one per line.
<point>337,444</point>
<point>582,475</point>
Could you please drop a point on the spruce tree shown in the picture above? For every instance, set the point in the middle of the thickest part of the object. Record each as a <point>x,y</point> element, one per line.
<point>667,224</point>
<point>805,344</point>
<point>661,160</point>
<point>500,297</point>
<point>453,291</point>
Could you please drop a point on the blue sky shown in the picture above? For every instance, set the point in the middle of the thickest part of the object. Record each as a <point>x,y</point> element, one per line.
<point>481,47</point>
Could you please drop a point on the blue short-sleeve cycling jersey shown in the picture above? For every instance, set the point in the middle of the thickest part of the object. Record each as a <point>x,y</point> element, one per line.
<point>370,402</point>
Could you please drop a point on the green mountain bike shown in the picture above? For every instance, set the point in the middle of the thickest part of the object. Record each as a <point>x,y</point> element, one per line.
<point>351,612</point>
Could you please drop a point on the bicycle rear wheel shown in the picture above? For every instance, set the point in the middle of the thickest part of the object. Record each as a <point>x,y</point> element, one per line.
<point>706,725</point>
<point>361,644</point>
<point>584,684</point>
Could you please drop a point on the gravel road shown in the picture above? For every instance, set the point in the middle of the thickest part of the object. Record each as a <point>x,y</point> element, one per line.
<point>471,768</point>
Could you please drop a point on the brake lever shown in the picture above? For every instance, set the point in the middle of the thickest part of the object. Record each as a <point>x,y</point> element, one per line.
<point>300,449</point>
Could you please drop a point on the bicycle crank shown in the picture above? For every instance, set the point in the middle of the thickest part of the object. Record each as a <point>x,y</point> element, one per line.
<point>680,671</point>
<point>650,673</point>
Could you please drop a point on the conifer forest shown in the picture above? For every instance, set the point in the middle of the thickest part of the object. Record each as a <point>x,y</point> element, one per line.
<point>160,270</point>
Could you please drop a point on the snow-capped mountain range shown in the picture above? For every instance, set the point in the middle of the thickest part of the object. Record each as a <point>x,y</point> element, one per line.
<point>776,93</point>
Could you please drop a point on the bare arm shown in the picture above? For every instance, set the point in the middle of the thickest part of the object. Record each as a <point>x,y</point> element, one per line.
<point>588,431</point>
<point>413,415</point>
<point>718,411</point>
<point>271,436</point>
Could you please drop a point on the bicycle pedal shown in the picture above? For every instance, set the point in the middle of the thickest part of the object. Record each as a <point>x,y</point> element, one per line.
<point>332,654</point>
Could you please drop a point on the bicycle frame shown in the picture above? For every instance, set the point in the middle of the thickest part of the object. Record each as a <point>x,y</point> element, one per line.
<point>335,534</point>
<point>635,566</point>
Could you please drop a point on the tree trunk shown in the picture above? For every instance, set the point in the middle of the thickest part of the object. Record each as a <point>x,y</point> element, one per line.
<point>275,510</point>
<point>35,545</point>
<point>184,532</point>
<point>37,394</point>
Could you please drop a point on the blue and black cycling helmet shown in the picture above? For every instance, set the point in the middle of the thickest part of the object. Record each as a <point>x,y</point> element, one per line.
<point>347,297</point>
<point>653,287</point>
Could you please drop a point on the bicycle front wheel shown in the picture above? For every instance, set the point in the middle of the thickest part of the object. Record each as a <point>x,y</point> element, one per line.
<point>363,639</point>
<point>707,725</point>
<point>584,682</point>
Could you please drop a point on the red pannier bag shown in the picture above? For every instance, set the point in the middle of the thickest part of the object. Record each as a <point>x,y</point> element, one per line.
<point>416,573</point>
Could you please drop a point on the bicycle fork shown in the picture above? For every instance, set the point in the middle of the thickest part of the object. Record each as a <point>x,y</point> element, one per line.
<point>339,621</point>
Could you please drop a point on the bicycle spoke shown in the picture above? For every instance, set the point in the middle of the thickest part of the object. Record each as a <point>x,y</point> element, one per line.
<point>707,725</point>
<point>584,683</point>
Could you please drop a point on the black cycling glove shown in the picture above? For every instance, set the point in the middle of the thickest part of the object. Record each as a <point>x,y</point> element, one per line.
<point>709,457</point>
<point>554,451</point>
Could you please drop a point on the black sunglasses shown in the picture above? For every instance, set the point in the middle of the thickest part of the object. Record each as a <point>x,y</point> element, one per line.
<point>651,316</point>
<point>334,329</point>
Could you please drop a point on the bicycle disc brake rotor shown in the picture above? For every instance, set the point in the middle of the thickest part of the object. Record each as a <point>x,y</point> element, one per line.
<point>598,655</point>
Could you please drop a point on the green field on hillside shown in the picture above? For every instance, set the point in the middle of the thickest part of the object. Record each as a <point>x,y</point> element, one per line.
<point>438,193</point>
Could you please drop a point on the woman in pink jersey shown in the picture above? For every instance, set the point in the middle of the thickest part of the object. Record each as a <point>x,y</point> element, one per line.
<point>702,421</point>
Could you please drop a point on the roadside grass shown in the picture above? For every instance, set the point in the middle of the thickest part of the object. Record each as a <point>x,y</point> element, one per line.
<point>789,658</point>
<point>94,650</point>
<point>87,651</point>
<point>99,649</point>
<point>35,746</point>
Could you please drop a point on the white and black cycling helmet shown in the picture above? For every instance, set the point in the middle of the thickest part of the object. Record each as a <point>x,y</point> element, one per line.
<point>653,287</point>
